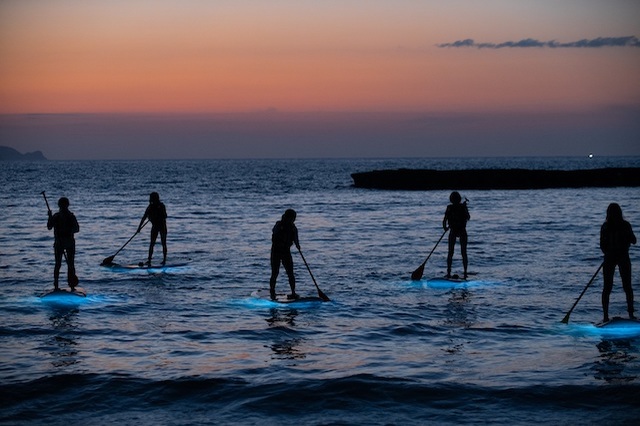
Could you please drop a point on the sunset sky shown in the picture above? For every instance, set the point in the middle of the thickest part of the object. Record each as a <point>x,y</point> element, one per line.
<point>85,79</point>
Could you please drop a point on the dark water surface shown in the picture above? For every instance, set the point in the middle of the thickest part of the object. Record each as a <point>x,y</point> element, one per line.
<point>190,345</point>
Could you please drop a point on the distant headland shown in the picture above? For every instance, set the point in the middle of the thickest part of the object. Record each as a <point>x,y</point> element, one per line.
<point>10,154</point>
<point>408,179</point>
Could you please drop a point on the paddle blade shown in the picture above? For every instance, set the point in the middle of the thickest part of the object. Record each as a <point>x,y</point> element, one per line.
<point>417,274</point>
<point>107,261</point>
<point>323,296</point>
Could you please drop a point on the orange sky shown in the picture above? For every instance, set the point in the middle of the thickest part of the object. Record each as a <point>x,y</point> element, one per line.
<point>95,79</point>
<point>197,56</point>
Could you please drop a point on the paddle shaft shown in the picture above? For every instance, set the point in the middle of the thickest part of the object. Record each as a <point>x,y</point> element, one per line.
<point>320,293</point>
<point>109,259</point>
<point>417,274</point>
<point>566,317</point>
<point>49,209</point>
<point>46,201</point>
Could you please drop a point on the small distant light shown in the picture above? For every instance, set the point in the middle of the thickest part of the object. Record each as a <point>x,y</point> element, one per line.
<point>590,155</point>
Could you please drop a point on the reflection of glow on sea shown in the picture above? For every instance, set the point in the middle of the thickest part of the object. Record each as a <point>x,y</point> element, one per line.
<point>441,283</point>
<point>616,329</point>
<point>69,300</point>
<point>256,302</point>
<point>152,270</point>
<point>64,299</point>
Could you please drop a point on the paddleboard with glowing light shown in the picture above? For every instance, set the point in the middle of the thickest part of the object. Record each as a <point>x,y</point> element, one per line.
<point>282,298</point>
<point>452,279</point>
<point>456,281</point>
<point>617,328</point>
<point>622,323</point>
<point>65,293</point>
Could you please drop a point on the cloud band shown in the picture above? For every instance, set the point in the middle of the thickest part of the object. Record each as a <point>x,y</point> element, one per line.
<point>628,41</point>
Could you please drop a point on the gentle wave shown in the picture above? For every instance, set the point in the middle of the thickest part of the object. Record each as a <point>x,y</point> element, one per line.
<point>100,399</point>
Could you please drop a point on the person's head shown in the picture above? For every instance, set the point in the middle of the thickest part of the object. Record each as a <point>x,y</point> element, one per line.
<point>63,203</point>
<point>154,198</point>
<point>455,197</point>
<point>614,213</point>
<point>289,216</point>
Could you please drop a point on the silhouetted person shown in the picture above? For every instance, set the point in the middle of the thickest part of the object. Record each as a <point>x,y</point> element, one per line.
<point>455,219</point>
<point>157,214</point>
<point>616,236</point>
<point>64,225</point>
<point>283,236</point>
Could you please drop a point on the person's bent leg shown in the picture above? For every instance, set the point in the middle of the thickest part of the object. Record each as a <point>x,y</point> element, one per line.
<point>287,262</point>
<point>463,250</point>
<point>625,274</point>
<point>71,265</point>
<point>275,270</point>
<point>163,239</point>
<point>56,269</point>
<point>452,245</point>
<point>152,243</point>
<point>607,272</point>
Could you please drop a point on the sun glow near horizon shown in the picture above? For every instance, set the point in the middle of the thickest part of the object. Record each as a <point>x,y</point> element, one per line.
<point>236,78</point>
<point>141,56</point>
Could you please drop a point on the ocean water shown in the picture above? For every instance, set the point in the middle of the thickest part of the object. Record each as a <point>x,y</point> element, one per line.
<point>191,345</point>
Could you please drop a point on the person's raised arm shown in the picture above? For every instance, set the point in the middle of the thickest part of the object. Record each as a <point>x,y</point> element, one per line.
<point>144,217</point>
<point>295,238</point>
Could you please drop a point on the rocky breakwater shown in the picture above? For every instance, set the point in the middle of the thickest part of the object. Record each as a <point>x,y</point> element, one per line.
<point>417,179</point>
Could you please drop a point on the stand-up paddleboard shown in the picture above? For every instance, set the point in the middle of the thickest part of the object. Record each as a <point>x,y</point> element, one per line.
<point>282,298</point>
<point>455,281</point>
<point>618,328</point>
<point>65,293</point>
<point>451,279</point>
<point>619,322</point>
<point>446,282</point>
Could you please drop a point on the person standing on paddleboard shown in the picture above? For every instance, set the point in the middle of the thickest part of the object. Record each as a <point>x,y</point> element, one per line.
<point>455,220</point>
<point>64,225</point>
<point>616,236</point>
<point>284,235</point>
<point>157,214</point>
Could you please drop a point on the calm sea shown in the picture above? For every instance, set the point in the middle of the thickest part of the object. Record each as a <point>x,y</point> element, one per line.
<point>191,345</point>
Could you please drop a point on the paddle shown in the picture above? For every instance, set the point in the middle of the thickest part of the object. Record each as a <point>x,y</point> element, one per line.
<point>321,295</point>
<point>109,260</point>
<point>72,279</point>
<point>566,317</point>
<point>417,274</point>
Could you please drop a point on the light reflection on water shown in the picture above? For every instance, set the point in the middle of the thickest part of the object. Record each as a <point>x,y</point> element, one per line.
<point>532,251</point>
